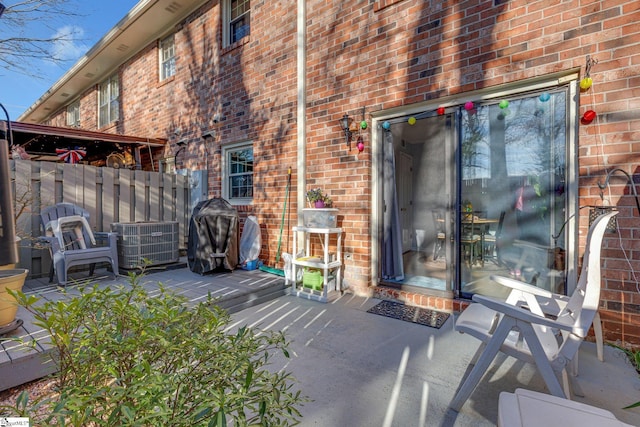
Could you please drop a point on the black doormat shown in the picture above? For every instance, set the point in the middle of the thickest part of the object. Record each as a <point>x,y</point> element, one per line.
<point>421,316</point>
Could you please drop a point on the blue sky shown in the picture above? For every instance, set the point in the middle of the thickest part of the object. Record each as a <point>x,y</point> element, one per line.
<point>95,18</point>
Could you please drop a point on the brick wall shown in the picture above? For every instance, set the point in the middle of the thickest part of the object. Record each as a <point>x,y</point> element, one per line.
<point>366,56</point>
<point>391,53</point>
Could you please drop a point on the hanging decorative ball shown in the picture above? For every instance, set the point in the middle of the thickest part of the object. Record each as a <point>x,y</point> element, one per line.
<point>589,115</point>
<point>503,104</point>
<point>386,125</point>
<point>360,145</point>
<point>440,111</point>
<point>544,97</point>
<point>586,83</point>
<point>468,105</point>
<point>412,121</point>
<point>363,124</point>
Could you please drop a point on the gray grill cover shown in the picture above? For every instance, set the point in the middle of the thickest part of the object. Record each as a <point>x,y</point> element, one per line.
<point>213,237</point>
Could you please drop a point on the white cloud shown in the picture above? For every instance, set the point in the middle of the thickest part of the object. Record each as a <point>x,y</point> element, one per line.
<point>69,45</point>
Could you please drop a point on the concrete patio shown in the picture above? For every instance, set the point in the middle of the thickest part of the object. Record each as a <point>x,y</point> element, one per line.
<point>362,369</point>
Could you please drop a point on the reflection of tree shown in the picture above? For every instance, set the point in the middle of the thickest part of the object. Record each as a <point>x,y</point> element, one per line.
<point>475,146</point>
<point>519,148</point>
<point>534,148</point>
<point>535,135</point>
<point>526,139</point>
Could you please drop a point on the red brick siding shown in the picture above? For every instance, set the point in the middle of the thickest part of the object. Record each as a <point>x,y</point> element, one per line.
<point>399,53</point>
<point>378,55</point>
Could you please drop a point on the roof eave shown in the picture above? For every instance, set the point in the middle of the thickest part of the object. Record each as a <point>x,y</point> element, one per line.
<point>145,22</point>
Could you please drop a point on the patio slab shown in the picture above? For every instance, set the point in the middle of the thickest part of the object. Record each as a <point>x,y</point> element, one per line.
<point>362,369</point>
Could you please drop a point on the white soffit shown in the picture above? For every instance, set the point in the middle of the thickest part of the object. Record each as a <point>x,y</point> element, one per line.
<point>147,21</point>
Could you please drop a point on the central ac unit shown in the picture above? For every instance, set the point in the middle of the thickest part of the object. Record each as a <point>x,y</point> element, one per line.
<point>156,242</point>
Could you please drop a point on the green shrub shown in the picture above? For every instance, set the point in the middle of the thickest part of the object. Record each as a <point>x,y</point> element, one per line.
<point>634,359</point>
<point>129,358</point>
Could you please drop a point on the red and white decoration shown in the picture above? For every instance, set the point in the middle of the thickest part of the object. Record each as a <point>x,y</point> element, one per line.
<point>71,156</point>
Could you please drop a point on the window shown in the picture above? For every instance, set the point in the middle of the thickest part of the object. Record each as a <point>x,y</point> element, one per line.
<point>237,20</point>
<point>108,104</point>
<point>167,52</point>
<point>73,114</point>
<point>238,173</point>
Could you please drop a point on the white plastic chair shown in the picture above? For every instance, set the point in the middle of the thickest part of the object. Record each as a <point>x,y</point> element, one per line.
<point>526,408</point>
<point>72,242</point>
<point>518,326</point>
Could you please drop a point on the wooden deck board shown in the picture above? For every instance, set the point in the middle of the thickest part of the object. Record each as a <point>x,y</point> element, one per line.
<point>26,353</point>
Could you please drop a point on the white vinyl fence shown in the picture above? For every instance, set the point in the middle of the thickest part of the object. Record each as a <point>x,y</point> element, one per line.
<point>110,195</point>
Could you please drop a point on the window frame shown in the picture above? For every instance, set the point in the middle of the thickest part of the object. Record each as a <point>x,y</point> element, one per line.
<point>112,85</point>
<point>548,82</point>
<point>228,22</point>
<point>227,175</point>
<point>164,46</point>
<point>73,114</point>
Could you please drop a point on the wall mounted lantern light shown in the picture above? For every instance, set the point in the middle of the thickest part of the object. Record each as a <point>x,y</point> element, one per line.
<point>345,121</point>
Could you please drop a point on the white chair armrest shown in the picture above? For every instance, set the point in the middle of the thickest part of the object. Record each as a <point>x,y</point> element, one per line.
<point>549,302</point>
<point>520,313</point>
<point>521,286</point>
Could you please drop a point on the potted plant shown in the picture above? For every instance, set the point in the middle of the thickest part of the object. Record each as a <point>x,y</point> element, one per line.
<point>318,199</point>
<point>322,215</point>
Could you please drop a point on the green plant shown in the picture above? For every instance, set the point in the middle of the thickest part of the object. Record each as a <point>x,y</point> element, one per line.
<point>316,195</point>
<point>634,358</point>
<point>127,358</point>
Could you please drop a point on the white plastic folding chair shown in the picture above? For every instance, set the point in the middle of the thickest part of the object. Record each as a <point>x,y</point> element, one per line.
<point>519,326</point>
<point>72,242</point>
<point>526,408</point>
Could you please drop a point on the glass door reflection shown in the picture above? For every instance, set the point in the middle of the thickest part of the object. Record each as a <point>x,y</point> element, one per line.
<point>512,198</point>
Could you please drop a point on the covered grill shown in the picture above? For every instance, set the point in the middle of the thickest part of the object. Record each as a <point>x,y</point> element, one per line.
<point>213,237</point>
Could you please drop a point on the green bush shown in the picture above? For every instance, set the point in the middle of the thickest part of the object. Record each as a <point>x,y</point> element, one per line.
<point>129,358</point>
<point>634,358</point>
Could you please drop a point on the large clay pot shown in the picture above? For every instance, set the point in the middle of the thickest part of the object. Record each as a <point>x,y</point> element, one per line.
<point>14,280</point>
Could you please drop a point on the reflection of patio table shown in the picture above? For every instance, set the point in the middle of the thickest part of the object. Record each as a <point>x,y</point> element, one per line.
<point>484,223</point>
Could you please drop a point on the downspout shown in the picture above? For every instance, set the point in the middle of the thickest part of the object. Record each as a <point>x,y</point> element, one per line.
<point>301,36</point>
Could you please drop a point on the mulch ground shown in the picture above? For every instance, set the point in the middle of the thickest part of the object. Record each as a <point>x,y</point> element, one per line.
<point>36,389</point>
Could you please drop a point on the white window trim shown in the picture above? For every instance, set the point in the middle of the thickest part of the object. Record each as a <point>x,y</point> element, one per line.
<point>226,23</point>
<point>225,173</point>
<point>162,60</point>
<point>73,110</point>
<point>108,81</point>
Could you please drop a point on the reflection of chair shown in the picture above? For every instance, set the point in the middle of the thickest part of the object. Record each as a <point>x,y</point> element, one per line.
<point>72,242</point>
<point>540,265</point>
<point>470,239</point>
<point>491,247</point>
<point>526,408</point>
<point>439,226</point>
<point>519,328</point>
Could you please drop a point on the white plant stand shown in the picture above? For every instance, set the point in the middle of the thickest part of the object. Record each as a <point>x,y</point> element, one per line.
<point>325,263</point>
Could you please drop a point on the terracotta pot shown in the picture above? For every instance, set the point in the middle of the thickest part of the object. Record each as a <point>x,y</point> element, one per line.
<point>14,280</point>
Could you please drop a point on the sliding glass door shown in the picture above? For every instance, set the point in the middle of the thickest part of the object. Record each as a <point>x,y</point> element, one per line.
<point>475,192</point>
<point>512,192</point>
